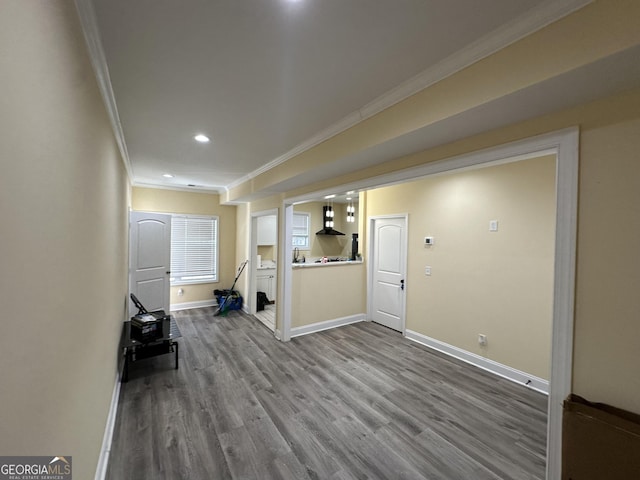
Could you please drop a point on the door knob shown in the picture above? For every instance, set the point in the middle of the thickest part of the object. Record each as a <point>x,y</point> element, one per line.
<point>402,284</point>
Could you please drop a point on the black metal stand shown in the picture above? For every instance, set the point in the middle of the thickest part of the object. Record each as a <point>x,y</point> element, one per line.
<point>135,350</point>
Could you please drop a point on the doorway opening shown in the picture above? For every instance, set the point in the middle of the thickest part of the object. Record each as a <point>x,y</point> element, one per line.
<point>564,145</point>
<point>264,259</point>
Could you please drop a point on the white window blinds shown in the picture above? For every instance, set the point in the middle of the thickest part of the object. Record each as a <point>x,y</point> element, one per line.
<point>300,230</point>
<point>194,249</point>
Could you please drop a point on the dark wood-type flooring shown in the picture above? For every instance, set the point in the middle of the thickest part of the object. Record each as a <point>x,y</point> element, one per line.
<point>356,402</point>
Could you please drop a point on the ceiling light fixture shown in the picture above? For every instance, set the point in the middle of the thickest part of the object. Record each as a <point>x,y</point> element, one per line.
<point>351,213</point>
<point>202,138</point>
<point>167,175</point>
<point>327,197</point>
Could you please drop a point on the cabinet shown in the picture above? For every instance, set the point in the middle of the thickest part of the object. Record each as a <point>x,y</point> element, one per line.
<point>266,282</point>
<point>267,230</point>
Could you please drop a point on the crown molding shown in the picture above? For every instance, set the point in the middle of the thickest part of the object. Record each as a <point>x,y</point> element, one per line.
<point>535,19</point>
<point>526,24</point>
<point>180,188</point>
<point>87,16</point>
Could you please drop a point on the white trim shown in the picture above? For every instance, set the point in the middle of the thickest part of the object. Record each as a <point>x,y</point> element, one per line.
<point>517,376</point>
<point>567,165</point>
<point>198,304</point>
<point>103,461</point>
<point>565,144</point>
<point>327,324</point>
<point>210,190</point>
<point>91,32</point>
<point>252,285</point>
<point>530,22</point>
<point>286,253</point>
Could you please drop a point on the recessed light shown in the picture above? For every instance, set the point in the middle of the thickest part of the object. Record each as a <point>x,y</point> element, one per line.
<point>167,175</point>
<point>202,138</point>
<point>329,196</point>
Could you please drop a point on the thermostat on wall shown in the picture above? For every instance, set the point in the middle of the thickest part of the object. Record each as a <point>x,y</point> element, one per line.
<point>428,240</point>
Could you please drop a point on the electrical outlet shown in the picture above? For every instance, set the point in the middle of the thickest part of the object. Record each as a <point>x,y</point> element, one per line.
<point>482,339</point>
<point>180,292</point>
<point>427,271</point>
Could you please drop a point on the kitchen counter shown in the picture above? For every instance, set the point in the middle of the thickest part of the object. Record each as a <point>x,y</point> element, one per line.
<point>328,264</point>
<point>266,265</point>
<point>322,292</point>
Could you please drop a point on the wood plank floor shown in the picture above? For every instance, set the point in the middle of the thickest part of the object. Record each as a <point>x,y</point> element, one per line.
<point>356,402</point>
<point>268,316</point>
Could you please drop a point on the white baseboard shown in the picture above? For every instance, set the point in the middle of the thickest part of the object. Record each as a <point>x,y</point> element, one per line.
<point>530,381</point>
<point>103,461</point>
<point>336,322</point>
<point>188,305</point>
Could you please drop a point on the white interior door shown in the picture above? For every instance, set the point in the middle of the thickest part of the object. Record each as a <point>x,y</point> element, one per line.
<point>388,253</point>
<point>149,260</point>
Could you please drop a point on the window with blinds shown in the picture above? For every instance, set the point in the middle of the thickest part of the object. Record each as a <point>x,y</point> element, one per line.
<point>194,249</point>
<point>300,230</point>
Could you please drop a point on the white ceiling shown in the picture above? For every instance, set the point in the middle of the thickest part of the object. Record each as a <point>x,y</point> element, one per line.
<point>265,77</point>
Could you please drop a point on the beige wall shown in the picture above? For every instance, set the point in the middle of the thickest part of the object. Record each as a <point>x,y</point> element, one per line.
<point>322,293</point>
<point>63,205</point>
<point>327,293</point>
<point>328,245</point>
<point>592,33</point>
<point>331,246</point>
<point>268,252</point>
<point>191,203</point>
<point>499,284</point>
<point>607,340</point>
<point>63,202</point>
<point>608,268</point>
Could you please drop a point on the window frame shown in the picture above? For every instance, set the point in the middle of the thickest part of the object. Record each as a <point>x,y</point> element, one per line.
<point>198,279</point>
<point>307,245</point>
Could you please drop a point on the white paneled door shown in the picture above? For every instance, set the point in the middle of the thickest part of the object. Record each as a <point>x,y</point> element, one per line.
<point>388,261</point>
<point>149,260</point>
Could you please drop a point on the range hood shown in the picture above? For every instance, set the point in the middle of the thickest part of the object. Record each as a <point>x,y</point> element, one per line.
<point>327,221</point>
<point>328,231</point>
